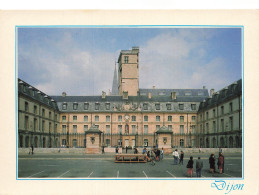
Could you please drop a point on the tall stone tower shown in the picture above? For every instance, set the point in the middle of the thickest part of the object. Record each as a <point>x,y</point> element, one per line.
<point>129,72</point>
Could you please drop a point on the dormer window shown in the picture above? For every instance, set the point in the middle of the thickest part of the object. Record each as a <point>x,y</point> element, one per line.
<point>145,107</point>
<point>157,106</point>
<point>193,106</point>
<point>75,106</point>
<point>64,106</point>
<point>168,106</point>
<point>97,106</point>
<point>86,106</point>
<point>107,105</point>
<point>181,106</point>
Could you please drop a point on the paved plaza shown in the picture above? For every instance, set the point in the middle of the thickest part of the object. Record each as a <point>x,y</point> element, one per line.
<point>73,166</point>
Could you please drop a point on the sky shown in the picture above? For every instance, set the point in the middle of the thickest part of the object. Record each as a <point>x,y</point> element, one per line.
<point>81,61</point>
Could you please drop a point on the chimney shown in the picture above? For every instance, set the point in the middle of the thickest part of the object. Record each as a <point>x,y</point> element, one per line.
<point>173,95</point>
<point>212,92</point>
<point>149,95</point>
<point>103,95</point>
<point>154,86</point>
<point>125,95</point>
<point>64,94</point>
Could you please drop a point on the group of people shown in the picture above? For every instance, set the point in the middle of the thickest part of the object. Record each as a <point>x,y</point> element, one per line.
<point>154,155</point>
<point>220,163</point>
<point>199,163</point>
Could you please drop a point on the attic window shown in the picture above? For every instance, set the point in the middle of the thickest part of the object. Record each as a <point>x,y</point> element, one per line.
<point>64,106</point>
<point>181,106</point>
<point>187,93</point>
<point>157,106</point>
<point>107,105</point>
<point>86,106</point>
<point>193,106</point>
<point>145,106</point>
<point>169,106</point>
<point>97,106</point>
<point>200,93</point>
<point>75,106</point>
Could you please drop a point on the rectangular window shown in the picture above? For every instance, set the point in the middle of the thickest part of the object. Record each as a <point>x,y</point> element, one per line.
<point>49,115</point>
<point>26,107</point>
<point>96,118</point>
<point>222,125</point>
<point>157,127</point>
<point>85,127</point>
<point>214,126</point>
<point>157,118</point>
<point>108,129</point>
<point>35,110</point>
<point>75,106</point>
<point>193,106</point>
<point>170,127</point>
<point>43,125</point>
<point>43,112</point>
<point>35,124</point>
<point>108,118</point>
<point>56,117</point>
<point>74,118</point>
<point>64,118</point>
<point>222,110</point>
<point>145,118</point>
<point>193,129</point>
<point>230,107</point>
<point>74,128</point>
<point>85,118</point>
<point>64,106</point>
<point>133,118</point>
<point>207,115</point>
<point>86,106</point>
<point>119,118</point>
<point>145,106</point>
<point>168,106</point>
<point>126,59</point>
<point>181,119</point>
<point>26,123</point>
<point>181,106</point>
<point>97,106</point>
<point>119,129</point>
<point>207,127</point>
<point>214,113</point>
<point>108,142</point>
<point>230,123</point>
<point>107,105</point>
<point>133,127</point>
<point>193,118</point>
<point>145,129</point>
<point>170,118</point>
<point>157,106</point>
<point>50,127</point>
<point>181,129</point>
<point>63,128</point>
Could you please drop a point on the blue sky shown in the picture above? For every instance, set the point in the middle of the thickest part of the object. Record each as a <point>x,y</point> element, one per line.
<point>81,61</point>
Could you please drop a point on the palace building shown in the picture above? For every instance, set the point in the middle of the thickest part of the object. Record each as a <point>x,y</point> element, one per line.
<point>131,116</point>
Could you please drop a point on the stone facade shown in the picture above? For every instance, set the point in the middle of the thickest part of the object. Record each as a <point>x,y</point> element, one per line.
<point>135,117</point>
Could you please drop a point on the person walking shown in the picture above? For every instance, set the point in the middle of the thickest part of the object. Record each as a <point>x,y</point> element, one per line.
<point>153,157</point>
<point>176,157</point>
<point>220,163</point>
<point>199,166</point>
<point>116,149</point>
<point>212,163</point>
<point>162,154</point>
<point>181,158</point>
<point>190,167</point>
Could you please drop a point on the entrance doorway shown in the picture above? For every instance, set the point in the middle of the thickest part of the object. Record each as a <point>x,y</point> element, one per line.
<point>126,142</point>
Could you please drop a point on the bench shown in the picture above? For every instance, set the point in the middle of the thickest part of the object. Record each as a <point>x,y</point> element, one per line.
<point>128,158</point>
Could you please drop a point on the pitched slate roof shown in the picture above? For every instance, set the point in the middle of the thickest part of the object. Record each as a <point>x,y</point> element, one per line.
<point>225,94</point>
